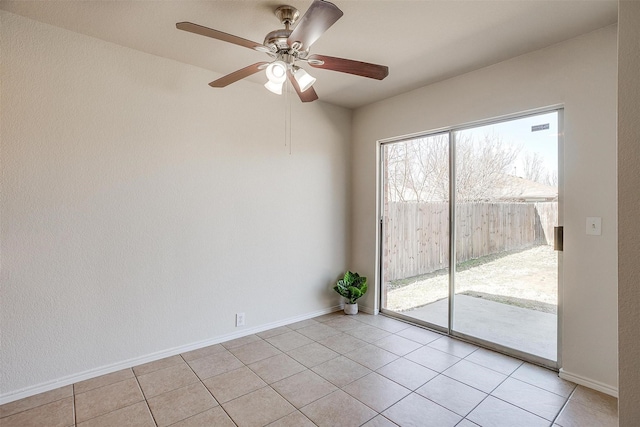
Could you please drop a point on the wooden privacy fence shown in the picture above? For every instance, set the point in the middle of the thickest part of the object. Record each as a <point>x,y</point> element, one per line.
<point>416,235</point>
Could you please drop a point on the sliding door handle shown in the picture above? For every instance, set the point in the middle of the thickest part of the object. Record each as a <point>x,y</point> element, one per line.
<point>558,238</point>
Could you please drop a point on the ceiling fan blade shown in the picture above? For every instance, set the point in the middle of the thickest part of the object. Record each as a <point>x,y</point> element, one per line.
<point>215,34</point>
<point>364,69</point>
<point>308,95</point>
<point>237,75</point>
<point>317,19</point>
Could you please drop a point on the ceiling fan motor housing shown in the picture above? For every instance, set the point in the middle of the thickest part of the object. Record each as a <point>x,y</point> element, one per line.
<point>276,40</point>
<point>288,15</point>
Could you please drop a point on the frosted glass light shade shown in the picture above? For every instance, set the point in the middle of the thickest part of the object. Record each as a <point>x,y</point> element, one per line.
<point>304,79</point>
<point>277,72</point>
<point>274,87</point>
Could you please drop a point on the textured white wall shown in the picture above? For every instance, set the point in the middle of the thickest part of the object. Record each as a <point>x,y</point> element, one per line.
<point>142,209</point>
<point>579,73</point>
<point>628,210</point>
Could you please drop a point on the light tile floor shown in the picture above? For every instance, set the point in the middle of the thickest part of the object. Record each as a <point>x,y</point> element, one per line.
<point>334,370</point>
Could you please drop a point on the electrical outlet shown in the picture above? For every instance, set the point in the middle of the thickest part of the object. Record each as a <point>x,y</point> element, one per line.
<point>239,319</point>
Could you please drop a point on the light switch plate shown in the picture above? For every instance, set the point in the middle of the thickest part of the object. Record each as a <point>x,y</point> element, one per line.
<point>594,225</point>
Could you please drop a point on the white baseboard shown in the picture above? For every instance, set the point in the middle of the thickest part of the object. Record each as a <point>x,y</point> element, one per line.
<point>367,310</point>
<point>587,382</point>
<point>92,373</point>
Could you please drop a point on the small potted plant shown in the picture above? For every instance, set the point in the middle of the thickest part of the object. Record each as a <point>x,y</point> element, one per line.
<point>352,286</point>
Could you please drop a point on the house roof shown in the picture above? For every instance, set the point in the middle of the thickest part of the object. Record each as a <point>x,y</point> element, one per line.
<point>521,189</point>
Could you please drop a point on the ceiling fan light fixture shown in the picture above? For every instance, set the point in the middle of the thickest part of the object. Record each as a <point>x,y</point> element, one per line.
<point>274,87</point>
<point>304,79</point>
<point>277,72</point>
<point>286,46</point>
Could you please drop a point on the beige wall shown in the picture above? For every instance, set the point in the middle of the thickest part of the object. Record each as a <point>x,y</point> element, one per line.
<point>629,210</point>
<point>142,209</point>
<point>579,74</point>
<point>140,212</point>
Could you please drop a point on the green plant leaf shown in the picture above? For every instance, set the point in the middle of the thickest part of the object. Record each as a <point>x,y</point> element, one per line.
<point>355,292</point>
<point>349,277</point>
<point>351,287</point>
<point>341,290</point>
<point>359,281</point>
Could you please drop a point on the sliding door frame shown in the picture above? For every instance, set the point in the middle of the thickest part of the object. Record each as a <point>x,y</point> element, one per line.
<point>380,246</point>
<point>451,131</point>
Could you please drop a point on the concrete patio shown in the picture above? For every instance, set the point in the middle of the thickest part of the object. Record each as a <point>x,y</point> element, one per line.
<point>519,328</point>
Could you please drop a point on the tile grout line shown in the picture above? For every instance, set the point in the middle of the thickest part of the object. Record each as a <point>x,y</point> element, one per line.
<point>306,369</point>
<point>474,408</point>
<point>522,363</point>
<point>73,393</point>
<point>144,397</point>
<point>566,402</point>
<point>486,394</point>
<point>37,406</point>
<point>207,388</point>
<point>503,381</point>
<point>75,415</point>
<point>110,412</point>
<point>517,406</point>
<point>442,373</point>
<point>526,410</point>
<point>543,389</point>
<point>294,406</point>
<point>464,417</point>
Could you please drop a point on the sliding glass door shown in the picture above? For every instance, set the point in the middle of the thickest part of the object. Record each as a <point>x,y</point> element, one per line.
<point>415,215</point>
<point>467,221</point>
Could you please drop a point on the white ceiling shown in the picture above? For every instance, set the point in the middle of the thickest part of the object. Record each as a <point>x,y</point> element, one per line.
<point>422,42</point>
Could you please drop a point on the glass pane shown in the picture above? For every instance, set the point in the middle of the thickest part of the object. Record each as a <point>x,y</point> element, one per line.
<point>506,207</point>
<point>415,232</point>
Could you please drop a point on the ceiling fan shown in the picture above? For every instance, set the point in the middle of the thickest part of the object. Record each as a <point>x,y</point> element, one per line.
<point>288,48</point>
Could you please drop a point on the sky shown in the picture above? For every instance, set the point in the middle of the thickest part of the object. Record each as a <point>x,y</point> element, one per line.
<point>518,131</point>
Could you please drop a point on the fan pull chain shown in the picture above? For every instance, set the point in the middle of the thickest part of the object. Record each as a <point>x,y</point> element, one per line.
<point>284,99</point>
<point>287,115</point>
<point>290,121</point>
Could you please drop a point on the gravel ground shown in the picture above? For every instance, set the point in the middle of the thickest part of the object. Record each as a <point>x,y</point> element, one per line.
<point>527,278</point>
